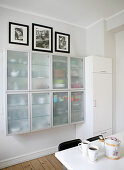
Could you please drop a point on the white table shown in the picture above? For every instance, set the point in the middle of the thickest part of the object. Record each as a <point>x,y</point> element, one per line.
<point>73,159</point>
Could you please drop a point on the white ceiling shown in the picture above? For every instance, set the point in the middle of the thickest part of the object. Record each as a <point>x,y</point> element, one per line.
<point>78,12</point>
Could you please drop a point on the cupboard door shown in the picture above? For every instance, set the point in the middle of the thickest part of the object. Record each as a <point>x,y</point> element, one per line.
<point>60,108</point>
<point>102,65</point>
<point>60,72</point>
<point>76,72</point>
<point>40,71</point>
<point>17,70</point>
<point>77,106</point>
<point>17,113</point>
<point>41,115</point>
<point>102,96</point>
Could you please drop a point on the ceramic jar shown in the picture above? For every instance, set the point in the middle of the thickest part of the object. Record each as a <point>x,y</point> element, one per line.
<point>112,148</point>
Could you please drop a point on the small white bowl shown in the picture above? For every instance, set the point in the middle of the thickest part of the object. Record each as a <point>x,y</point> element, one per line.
<point>14,73</point>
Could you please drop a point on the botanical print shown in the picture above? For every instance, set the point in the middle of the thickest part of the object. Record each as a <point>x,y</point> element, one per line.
<point>62,42</point>
<point>42,38</point>
<point>18,34</point>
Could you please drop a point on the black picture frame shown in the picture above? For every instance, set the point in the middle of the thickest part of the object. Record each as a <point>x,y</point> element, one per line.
<point>62,42</point>
<point>18,34</point>
<point>42,38</point>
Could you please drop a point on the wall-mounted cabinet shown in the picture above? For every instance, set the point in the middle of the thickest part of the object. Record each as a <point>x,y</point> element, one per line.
<point>40,71</point>
<point>76,72</point>
<point>17,70</point>
<point>41,111</point>
<point>60,72</point>
<point>18,118</point>
<point>77,108</point>
<point>60,108</point>
<point>42,91</point>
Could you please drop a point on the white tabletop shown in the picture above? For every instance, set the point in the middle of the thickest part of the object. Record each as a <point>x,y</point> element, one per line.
<point>73,159</point>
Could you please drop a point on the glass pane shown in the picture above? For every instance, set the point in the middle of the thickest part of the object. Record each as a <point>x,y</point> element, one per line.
<point>17,70</point>
<point>40,71</point>
<point>77,105</point>
<point>41,116</point>
<point>17,110</point>
<point>76,73</point>
<point>60,72</point>
<point>60,108</point>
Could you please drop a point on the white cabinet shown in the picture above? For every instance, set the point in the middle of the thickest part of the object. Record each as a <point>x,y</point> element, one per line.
<point>98,75</point>
<point>60,72</point>
<point>60,108</point>
<point>41,111</point>
<point>39,94</point>
<point>17,70</point>
<point>18,118</point>
<point>76,65</point>
<point>101,64</point>
<point>40,71</point>
<point>27,92</point>
<point>98,89</point>
<point>102,98</point>
<point>77,106</point>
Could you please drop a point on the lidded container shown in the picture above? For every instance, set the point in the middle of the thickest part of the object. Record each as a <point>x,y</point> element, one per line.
<point>112,148</point>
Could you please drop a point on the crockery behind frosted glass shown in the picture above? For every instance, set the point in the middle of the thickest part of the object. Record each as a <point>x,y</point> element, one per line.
<point>41,116</point>
<point>76,73</point>
<point>41,122</point>
<point>17,70</point>
<point>60,72</point>
<point>60,108</point>
<point>77,103</point>
<point>40,71</point>
<point>17,110</point>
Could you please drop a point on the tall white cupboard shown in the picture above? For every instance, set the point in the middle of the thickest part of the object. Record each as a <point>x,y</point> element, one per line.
<point>98,95</point>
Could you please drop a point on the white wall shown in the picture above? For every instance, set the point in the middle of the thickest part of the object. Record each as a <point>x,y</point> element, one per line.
<point>14,146</point>
<point>115,21</point>
<point>119,81</point>
<point>110,51</point>
<point>100,42</point>
<point>94,46</point>
<point>95,39</point>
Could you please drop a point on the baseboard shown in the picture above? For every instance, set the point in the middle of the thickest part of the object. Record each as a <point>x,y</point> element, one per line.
<point>27,157</point>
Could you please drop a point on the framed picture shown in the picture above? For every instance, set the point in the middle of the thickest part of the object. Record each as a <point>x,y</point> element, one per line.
<point>62,42</point>
<point>18,33</point>
<point>42,38</point>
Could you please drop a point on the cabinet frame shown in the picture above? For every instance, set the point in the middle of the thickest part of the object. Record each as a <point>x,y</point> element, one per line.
<point>64,89</point>
<point>50,90</point>
<point>50,79</point>
<point>83,78</point>
<point>61,91</point>
<point>75,90</point>
<point>6,113</point>
<point>6,66</point>
<point>45,92</point>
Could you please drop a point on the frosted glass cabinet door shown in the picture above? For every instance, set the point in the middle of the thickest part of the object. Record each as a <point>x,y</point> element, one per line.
<point>76,73</point>
<point>17,70</point>
<point>60,72</point>
<point>41,115</point>
<point>17,113</point>
<point>40,71</point>
<point>77,104</point>
<point>60,108</point>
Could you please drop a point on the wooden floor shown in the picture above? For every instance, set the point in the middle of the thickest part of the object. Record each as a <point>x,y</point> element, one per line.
<point>43,163</point>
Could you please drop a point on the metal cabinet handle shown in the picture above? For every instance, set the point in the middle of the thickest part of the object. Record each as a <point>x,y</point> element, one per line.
<point>94,103</point>
<point>103,71</point>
